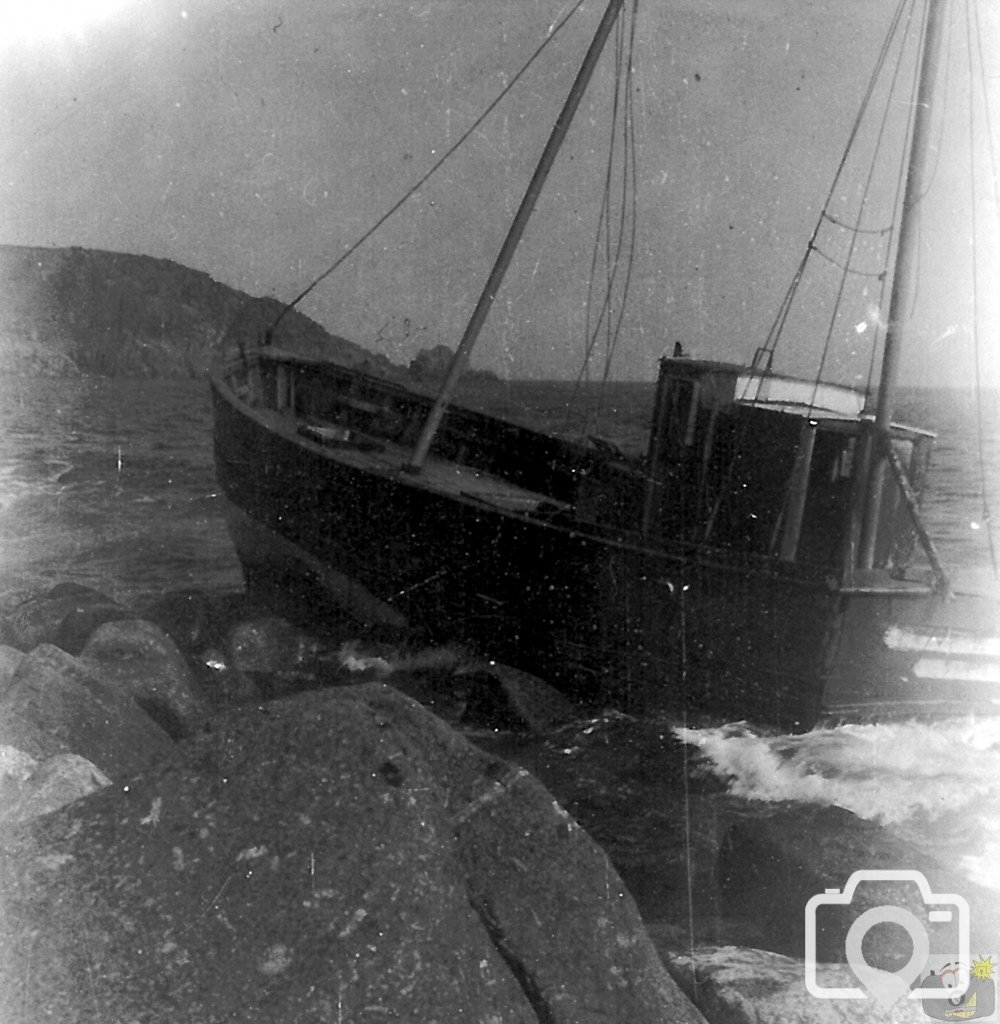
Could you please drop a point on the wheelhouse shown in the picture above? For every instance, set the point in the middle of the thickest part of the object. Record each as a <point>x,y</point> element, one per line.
<point>774,466</point>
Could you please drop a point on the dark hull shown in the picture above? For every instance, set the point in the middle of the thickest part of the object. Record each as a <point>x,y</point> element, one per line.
<point>606,620</point>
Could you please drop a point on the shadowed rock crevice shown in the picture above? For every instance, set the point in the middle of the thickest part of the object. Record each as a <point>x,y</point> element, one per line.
<point>517,967</point>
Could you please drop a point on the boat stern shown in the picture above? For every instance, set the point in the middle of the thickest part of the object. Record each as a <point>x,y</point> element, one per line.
<point>910,652</point>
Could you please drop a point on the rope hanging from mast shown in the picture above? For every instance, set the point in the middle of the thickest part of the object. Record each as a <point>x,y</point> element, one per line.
<point>514,234</point>
<point>856,230</point>
<point>977,76</point>
<point>611,314</point>
<point>896,39</point>
<point>625,238</point>
<point>351,249</point>
<point>900,23</point>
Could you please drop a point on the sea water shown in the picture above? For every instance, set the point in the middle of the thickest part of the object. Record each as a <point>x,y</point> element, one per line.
<point>111,484</point>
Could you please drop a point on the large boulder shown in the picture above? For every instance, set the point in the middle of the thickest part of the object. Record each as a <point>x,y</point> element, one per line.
<point>140,660</point>
<point>192,619</point>
<point>15,769</point>
<point>427,674</point>
<point>55,706</point>
<point>79,624</point>
<point>461,689</point>
<point>55,782</point>
<point>10,659</point>
<point>275,657</point>
<point>501,697</point>
<point>9,634</point>
<point>339,855</point>
<point>200,626</point>
<point>64,616</point>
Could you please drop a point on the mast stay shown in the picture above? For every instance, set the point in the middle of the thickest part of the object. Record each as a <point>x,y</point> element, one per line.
<point>349,251</point>
<point>462,354</point>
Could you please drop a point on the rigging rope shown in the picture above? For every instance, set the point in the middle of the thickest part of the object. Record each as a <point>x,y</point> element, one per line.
<point>866,196</point>
<point>785,307</point>
<point>553,32</point>
<point>987,514</point>
<point>855,227</point>
<point>629,196</point>
<point>609,318</point>
<point>943,106</point>
<point>604,217</point>
<point>766,352</point>
<point>845,266</point>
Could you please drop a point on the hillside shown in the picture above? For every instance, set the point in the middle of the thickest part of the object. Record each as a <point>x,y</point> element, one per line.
<point>69,312</point>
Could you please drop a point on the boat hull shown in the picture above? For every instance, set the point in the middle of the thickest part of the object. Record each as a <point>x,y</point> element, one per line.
<point>607,620</point>
<point>604,620</point>
<point>904,653</point>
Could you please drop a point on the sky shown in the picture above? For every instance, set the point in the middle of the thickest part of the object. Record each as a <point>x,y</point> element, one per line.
<point>256,140</point>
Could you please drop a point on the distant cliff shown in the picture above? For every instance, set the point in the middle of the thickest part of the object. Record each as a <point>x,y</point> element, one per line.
<point>85,312</point>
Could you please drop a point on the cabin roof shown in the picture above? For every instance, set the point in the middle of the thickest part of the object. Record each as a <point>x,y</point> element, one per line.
<point>738,384</point>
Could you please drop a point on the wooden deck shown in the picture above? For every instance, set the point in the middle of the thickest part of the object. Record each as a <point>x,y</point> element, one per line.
<point>441,475</point>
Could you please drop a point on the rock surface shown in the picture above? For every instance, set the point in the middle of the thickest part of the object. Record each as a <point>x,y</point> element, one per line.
<point>63,616</point>
<point>339,855</point>
<point>193,620</point>
<point>10,659</point>
<point>501,697</point>
<point>54,706</point>
<point>274,657</point>
<point>140,660</point>
<point>15,769</point>
<point>464,691</point>
<point>735,985</point>
<point>770,866</point>
<point>49,785</point>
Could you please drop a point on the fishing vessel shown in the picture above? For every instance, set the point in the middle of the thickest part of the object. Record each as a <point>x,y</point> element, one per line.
<point>763,557</point>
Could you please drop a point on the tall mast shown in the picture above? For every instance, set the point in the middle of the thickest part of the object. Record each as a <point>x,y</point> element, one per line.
<point>520,222</point>
<point>905,275</point>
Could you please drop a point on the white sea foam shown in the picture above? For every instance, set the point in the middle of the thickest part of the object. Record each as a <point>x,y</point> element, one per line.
<point>918,775</point>
<point>14,486</point>
<point>882,772</point>
<point>355,658</point>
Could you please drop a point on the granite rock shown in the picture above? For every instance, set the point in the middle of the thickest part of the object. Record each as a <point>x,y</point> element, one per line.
<point>140,660</point>
<point>338,855</point>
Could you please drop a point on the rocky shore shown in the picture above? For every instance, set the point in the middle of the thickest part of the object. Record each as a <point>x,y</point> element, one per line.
<point>210,814</point>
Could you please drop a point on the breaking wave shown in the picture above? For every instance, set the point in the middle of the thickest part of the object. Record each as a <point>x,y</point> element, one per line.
<point>926,778</point>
